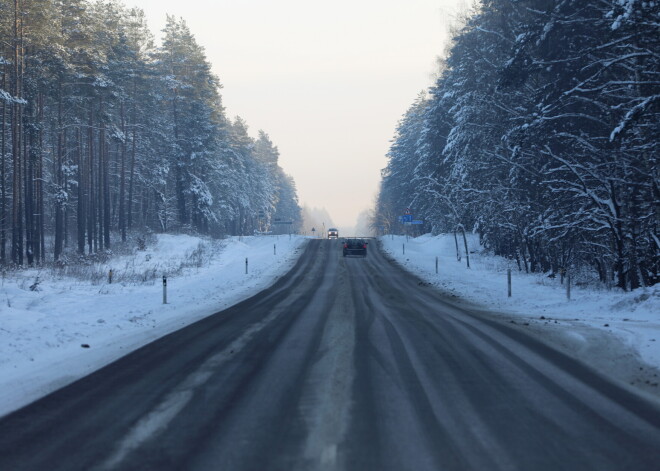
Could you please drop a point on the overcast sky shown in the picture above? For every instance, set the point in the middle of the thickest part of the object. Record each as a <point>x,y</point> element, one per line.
<point>328,81</point>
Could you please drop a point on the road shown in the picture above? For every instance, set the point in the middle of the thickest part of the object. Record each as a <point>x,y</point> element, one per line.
<point>343,364</point>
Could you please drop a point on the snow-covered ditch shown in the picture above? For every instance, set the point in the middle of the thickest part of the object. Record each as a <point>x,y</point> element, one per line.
<point>614,331</point>
<point>56,327</point>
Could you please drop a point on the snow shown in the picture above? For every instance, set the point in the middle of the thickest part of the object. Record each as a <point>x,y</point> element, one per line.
<point>587,326</point>
<point>74,323</point>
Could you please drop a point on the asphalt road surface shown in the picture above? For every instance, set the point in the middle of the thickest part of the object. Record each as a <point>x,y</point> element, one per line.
<point>343,364</point>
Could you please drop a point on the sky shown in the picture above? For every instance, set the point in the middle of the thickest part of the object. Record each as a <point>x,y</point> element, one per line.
<point>328,81</point>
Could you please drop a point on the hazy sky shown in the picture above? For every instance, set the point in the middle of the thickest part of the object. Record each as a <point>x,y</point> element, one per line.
<point>328,81</point>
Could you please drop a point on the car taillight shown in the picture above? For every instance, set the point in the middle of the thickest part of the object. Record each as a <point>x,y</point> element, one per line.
<point>364,246</point>
<point>345,246</point>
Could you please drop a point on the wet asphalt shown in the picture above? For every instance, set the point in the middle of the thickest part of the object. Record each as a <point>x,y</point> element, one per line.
<point>345,363</point>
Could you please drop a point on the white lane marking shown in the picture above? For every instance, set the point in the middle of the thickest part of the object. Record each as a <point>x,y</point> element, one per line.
<point>152,423</point>
<point>329,455</point>
<point>326,400</point>
<point>161,415</point>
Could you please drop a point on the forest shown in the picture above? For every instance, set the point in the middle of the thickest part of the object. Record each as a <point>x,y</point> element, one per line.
<point>106,134</point>
<point>541,135</point>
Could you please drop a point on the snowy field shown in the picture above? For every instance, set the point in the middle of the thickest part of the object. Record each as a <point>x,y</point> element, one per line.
<point>67,325</point>
<point>587,325</point>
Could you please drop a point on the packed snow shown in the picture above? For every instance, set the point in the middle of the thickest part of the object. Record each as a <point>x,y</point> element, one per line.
<point>59,324</point>
<point>615,331</point>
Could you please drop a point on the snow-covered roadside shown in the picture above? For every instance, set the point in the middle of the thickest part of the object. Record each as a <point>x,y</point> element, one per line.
<point>67,328</point>
<point>588,325</point>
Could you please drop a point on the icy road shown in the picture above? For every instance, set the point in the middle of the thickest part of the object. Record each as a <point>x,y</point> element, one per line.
<point>343,364</point>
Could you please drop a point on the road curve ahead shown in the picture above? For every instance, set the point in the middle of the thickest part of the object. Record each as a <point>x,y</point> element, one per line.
<point>343,364</point>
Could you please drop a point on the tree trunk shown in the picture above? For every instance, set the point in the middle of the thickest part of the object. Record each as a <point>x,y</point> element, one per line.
<point>131,180</point>
<point>59,226</point>
<point>619,244</point>
<point>179,170</point>
<point>458,251</point>
<point>91,207</point>
<point>133,145</point>
<point>106,185</point>
<point>467,252</point>
<point>122,177</point>
<point>28,180</point>
<point>145,205</point>
<point>81,213</point>
<point>3,177</point>
<point>524,255</point>
<point>100,205</point>
<point>16,133</point>
<point>39,223</point>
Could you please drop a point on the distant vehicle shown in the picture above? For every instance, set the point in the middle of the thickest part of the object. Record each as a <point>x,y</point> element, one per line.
<point>355,246</point>
<point>333,233</point>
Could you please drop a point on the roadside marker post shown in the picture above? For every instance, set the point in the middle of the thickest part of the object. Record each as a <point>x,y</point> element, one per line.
<point>164,289</point>
<point>246,265</point>
<point>404,249</point>
<point>436,265</point>
<point>274,249</point>
<point>508,279</point>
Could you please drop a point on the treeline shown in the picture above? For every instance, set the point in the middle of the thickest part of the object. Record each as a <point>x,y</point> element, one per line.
<point>103,133</point>
<point>542,135</point>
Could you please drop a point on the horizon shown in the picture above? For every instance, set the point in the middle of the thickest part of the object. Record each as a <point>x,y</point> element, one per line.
<point>315,80</point>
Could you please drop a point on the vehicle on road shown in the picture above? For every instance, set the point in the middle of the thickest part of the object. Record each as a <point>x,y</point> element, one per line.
<point>395,378</point>
<point>333,233</point>
<point>355,246</point>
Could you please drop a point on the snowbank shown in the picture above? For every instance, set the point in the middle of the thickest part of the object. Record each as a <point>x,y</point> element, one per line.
<point>539,302</point>
<point>64,328</point>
